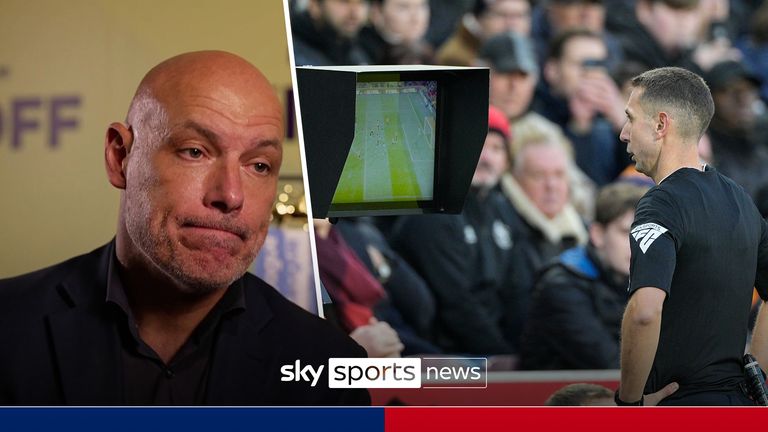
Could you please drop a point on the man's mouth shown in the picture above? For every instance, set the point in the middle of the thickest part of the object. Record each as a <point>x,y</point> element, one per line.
<point>221,226</point>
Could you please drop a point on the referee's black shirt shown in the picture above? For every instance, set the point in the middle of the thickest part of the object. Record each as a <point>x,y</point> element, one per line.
<point>699,237</point>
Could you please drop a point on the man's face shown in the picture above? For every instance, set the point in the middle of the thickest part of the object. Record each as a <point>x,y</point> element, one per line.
<point>404,20</point>
<point>506,15</point>
<point>640,135</point>
<point>492,163</point>
<point>612,242</point>
<point>511,92</point>
<point>673,29</point>
<point>565,74</point>
<point>543,175</point>
<point>346,17</point>
<point>735,104</point>
<point>200,183</point>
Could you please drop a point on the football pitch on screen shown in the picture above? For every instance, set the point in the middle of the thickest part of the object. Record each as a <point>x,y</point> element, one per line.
<point>392,156</point>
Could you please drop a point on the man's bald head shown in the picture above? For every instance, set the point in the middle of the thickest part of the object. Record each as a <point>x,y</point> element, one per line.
<point>220,77</point>
<point>198,162</point>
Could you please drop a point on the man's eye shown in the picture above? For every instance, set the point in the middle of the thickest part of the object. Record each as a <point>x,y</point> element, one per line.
<point>194,153</point>
<point>261,167</point>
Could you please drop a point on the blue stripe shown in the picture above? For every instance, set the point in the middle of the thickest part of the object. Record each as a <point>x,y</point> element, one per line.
<point>192,419</point>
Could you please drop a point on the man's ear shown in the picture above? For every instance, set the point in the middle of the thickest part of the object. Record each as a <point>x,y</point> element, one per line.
<point>662,124</point>
<point>117,145</point>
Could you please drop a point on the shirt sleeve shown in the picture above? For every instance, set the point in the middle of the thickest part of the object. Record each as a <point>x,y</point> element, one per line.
<point>654,240</point>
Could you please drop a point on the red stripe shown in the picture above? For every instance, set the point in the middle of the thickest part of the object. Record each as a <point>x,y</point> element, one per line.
<point>567,419</point>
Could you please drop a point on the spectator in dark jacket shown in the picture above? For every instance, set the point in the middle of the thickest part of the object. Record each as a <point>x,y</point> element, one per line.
<point>465,259</point>
<point>660,33</point>
<point>739,128</point>
<point>513,78</point>
<point>326,33</point>
<point>396,26</point>
<point>546,223</point>
<point>554,17</point>
<point>576,308</point>
<point>578,95</point>
<point>754,47</point>
<point>487,19</point>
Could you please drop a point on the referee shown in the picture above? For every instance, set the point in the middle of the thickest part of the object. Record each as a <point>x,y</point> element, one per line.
<point>699,245</point>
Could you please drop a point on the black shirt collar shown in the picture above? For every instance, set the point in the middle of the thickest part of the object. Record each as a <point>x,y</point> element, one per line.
<point>232,300</point>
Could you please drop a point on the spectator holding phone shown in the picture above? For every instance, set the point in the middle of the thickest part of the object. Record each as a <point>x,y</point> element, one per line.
<point>578,95</point>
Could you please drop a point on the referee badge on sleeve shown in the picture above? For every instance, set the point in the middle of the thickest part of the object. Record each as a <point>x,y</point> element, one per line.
<point>646,234</point>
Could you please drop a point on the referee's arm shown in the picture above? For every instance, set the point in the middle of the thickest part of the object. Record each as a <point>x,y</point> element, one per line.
<point>759,345</point>
<point>640,330</point>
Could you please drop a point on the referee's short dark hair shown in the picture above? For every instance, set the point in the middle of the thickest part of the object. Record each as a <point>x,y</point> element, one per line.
<point>682,93</point>
<point>615,200</point>
<point>579,395</point>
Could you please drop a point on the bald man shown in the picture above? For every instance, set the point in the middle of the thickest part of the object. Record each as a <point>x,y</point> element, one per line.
<point>166,313</point>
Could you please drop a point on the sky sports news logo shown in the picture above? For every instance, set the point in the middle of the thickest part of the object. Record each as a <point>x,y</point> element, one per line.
<point>427,372</point>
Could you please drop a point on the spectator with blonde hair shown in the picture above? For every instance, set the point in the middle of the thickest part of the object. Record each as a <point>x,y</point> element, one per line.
<point>545,223</point>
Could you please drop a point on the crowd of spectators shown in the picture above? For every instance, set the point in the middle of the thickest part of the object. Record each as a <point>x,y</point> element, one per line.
<point>535,266</point>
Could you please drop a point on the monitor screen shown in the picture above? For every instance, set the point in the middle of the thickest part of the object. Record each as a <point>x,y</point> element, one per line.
<point>391,140</point>
<point>392,157</point>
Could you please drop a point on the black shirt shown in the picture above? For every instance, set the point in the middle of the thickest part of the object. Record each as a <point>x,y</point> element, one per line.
<point>146,379</point>
<point>60,343</point>
<point>699,237</point>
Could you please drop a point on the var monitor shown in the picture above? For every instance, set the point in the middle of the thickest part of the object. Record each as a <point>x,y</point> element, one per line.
<point>391,140</point>
<point>392,157</point>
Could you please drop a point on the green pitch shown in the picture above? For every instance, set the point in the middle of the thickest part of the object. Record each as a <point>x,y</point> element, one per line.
<point>392,154</point>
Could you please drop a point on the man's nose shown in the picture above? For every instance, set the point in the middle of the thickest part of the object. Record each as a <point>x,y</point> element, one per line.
<point>551,182</point>
<point>624,135</point>
<point>224,189</point>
